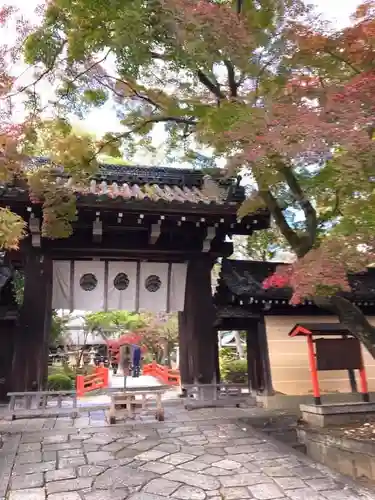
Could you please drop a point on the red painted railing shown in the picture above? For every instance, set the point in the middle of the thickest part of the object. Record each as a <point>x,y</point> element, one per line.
<point>164,374</point>
<point>98,380</point>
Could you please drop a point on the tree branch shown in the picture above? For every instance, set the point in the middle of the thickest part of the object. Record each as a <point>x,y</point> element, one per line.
<point>308,209</point>
<point>215,89</point>
<point>352,318</point>
<point>136,128</point>
<point>289,234</point>
<point>233,85</point>
<point>343,60</point>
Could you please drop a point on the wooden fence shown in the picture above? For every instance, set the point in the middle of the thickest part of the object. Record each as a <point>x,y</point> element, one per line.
<point>164,374</point>
<point>98,380</point>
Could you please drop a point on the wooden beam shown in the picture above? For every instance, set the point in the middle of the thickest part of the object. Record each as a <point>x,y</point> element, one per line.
<point>211,233</point>
<point>34,228</point>
<point>155,232</point>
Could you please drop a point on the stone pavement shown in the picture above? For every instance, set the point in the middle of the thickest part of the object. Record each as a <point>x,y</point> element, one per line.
<point>198,455</point>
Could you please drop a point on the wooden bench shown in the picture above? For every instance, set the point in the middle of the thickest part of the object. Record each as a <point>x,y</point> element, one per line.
<point>125,404</point>
<point>43,404</point>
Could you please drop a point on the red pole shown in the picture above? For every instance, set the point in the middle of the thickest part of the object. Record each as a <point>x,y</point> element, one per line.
<point>363,379</point>
<point>313,370</point>
<point>80,385</point>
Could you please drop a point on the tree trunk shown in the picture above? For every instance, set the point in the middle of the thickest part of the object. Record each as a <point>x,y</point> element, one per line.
<point>239,346</point>
<point>352,318</point>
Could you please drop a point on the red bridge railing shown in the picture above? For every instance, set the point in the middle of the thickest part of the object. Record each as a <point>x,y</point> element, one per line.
<point>98,380</point>
<point>164,374</point>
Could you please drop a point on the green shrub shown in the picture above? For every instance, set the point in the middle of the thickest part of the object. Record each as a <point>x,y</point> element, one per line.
<point>59,382</point>
<point>234,371</point>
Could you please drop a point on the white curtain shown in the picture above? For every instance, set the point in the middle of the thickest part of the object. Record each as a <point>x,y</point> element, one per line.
<point>130,286</point>
<point>122,286</point>
<point>177,287</point>
<point>153,286</point>
<point>91,272</point>
<point>61,292</point>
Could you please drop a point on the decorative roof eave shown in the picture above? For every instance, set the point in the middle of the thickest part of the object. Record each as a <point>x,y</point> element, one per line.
<point>242,281</point>
<point>260,218</point>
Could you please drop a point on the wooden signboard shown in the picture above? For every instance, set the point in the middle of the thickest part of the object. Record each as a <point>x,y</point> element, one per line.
<point>338,354</point>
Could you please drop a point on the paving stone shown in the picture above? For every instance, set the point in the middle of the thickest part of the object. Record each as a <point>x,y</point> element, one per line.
<point>102,439</point>
<point>235,493</point>
<point>144,445</point>
<point>349,494</point>
<point>307,472</point>
<point>122,476</point>
<point>95,457</point>
<point>127,453</point>
<point>216,451</point>
<point>60,474</point>
<point>58,438</point>
<point>193,450</point>
<point>90,447</point>
<point>247,448</point>
<point>192,479</point>
<point>31,494</point>
<point>278,472</point>
<point>213,493</point>
<point>208,458</point>
<point>64,463</point>
<point>189,493</point>
<point>119,494</point>
<point>304,494</point>
<point>157,467</point>
<point>177,458</point>
<point>62,446</point>
<point>195,465</point>
<point>161,486</point>
<point>79,437</point>
<point>69,485</point>
<point>76,452</point>
<point>289,483</point>
<point>266,491</point>
<point>143,496</point>
<point>215,471</point>
<point>27,481</point>
<point>227,464</point>
<point>25,448</point>
<point>151,455</point>
<point>68,495</point>
<point>49,456</point>
<point>244,479</point>
<point>321,484</point>
<point>33,468</point>
<point>168,447</point>
<point>113,447</point>
<point>29,458</point>
<point>90,470</point>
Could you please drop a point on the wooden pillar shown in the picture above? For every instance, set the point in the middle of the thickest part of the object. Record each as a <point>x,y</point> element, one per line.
<point>264,358</point>
<point>253,358</point>
<point>30,360</point>
<point>7,333</point>
<point>184,351</point>
<point>199,316</point>
<point>216,356</point>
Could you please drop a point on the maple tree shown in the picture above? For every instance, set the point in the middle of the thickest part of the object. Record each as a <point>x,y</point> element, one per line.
<point>263,83</point>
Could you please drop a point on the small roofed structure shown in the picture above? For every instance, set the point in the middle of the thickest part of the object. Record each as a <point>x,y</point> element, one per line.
<point>334,353</point>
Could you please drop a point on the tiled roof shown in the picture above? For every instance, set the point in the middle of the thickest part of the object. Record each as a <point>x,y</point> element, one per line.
<point>152,192</point>
<point>130,182</point>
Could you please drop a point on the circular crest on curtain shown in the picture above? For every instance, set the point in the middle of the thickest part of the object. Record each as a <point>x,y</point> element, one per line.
<point>152,283</point>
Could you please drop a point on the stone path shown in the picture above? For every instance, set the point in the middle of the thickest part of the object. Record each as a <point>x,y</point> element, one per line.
<point>198,455</point>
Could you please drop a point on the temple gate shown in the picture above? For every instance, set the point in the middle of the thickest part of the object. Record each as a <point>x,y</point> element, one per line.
<point>141,234</point>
